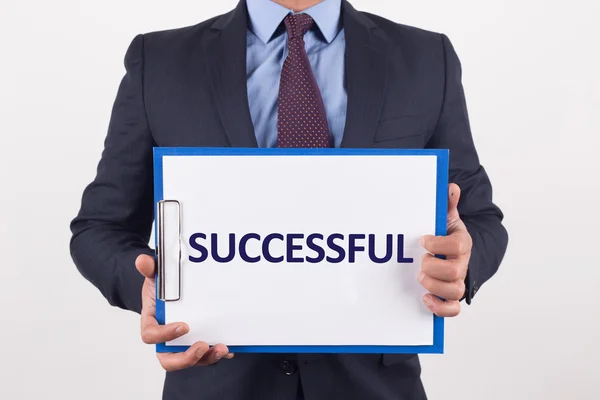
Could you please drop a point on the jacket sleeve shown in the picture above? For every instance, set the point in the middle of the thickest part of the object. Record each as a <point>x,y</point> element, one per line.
<point>114,223</point>
<point>476,208</point>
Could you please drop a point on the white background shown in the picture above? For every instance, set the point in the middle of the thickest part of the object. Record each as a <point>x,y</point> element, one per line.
<point>531,78</point>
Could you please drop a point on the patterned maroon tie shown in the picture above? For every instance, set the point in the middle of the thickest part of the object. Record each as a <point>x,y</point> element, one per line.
<point>301,120</point>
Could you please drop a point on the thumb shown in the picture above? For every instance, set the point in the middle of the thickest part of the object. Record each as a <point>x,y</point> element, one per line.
<point>453,198</point>
<point>146,265</point>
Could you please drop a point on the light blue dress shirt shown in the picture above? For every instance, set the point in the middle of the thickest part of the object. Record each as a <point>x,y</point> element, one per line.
<point>267,50</point>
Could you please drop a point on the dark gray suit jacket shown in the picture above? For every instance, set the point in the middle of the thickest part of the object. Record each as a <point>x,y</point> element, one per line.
<point>187,87</point>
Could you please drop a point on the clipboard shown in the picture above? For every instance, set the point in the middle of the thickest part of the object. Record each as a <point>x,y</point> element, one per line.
<point>273,209</point>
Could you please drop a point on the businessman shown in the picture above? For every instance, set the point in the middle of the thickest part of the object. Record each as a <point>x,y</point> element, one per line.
<point>295,73</point>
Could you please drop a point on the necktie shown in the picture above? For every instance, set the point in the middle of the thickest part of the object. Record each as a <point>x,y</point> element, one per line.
<point>301,120</point>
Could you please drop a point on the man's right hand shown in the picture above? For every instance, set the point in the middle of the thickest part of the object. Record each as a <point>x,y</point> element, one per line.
<point>199,354</point>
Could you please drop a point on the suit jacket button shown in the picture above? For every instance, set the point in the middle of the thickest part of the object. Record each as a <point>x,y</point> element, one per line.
<point>288,367</point>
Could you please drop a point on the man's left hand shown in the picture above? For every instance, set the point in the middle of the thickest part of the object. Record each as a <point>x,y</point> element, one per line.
<point>445,279</point>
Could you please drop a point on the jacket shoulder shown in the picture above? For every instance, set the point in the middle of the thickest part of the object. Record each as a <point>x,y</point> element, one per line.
<point>405,34</point>
<point>177,37</point>
<point>166,48</point>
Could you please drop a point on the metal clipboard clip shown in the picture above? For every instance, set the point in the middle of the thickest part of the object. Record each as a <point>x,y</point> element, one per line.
<point>169,259</point>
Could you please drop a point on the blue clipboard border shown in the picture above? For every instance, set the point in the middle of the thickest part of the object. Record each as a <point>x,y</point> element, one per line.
<point>440,229</point>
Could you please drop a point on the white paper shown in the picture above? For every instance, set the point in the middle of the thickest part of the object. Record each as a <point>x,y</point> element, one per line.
<point>359,303</point>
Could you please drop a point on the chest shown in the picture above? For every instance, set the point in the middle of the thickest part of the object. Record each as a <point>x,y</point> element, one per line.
<point>189,107</point>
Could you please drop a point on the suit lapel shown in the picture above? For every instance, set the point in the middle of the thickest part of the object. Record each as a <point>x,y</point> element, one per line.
<point>225,56</point>
<point>366,74</point>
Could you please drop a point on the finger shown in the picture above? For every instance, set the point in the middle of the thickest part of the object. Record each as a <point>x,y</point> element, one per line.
<point>153,333</point>
<point>145,265</point>
<point>440,307</point>
<point>446,290</point>
<point>176,361</point>
<point>149,297</point>
<point>453,245</point>
<point>444,270</point>
<point>215,354</point>
<point>454,222</point>
<point>453,198</point>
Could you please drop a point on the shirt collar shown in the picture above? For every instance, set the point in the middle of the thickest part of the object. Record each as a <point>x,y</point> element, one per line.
<point>266,16</point>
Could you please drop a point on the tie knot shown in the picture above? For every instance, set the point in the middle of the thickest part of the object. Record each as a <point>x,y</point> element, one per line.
<point>297,25</point>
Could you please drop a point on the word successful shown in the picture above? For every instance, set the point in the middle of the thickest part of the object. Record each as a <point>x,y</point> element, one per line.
<point>344,247</point>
